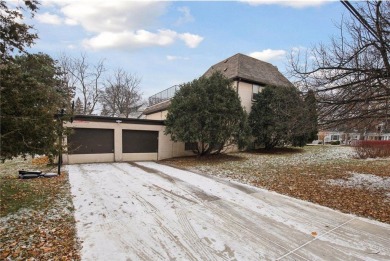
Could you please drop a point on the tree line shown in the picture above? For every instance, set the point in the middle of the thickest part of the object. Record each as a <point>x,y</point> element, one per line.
<point>117,94</point>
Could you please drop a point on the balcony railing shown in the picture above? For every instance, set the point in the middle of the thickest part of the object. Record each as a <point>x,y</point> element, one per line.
<point>163,95</point>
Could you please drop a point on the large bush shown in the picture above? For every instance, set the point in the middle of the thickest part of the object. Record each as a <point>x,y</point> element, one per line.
<point>31,94</point>
<point>207,111</point>
<point>372,148</point>
<point>279,117</point>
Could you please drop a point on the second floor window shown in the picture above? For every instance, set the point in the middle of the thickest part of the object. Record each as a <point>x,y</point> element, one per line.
<point>256,89</point>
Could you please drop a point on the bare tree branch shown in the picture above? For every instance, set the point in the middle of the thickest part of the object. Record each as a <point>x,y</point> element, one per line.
<point>121,96</point>
<point>86,78</point>
<point>350,75</point>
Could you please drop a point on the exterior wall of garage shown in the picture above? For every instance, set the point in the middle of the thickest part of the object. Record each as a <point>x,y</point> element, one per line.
<point>160,115</point>
<point>166,147</point>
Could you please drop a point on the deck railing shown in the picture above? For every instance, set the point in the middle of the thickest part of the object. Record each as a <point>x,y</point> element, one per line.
<point>163,95</point>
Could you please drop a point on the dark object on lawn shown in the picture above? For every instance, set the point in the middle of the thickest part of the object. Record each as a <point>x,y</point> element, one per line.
<point>30,174</point>
<point>49,175</point>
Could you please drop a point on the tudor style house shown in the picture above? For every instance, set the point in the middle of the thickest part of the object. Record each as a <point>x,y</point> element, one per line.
<point>249,76</point>
<point>109,139</point>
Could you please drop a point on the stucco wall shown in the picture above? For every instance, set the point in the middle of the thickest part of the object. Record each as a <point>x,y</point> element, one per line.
<point>161,115</point>
<point>245,93</point>
<point>139,156</point>
<point>166,147</point>
<point>88,158</point>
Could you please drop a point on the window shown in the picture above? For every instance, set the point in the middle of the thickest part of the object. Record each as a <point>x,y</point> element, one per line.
<point>256,89</point>
<point>335,137</point>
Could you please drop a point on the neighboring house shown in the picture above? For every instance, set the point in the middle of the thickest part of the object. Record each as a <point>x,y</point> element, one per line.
<point>109,139</point>
<point>341,136</point>
<point>377,136</point>
<point>376,132</point>
<point>249,76</point>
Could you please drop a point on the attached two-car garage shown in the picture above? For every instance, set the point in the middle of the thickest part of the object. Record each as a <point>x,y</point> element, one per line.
<point>108,139</point>
<point>98,141</point>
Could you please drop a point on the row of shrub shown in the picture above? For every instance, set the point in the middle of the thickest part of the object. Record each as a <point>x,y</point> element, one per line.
<point>372,148</point>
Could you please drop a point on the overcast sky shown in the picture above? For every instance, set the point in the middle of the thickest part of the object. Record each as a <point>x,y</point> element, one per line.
<point>168,43</point>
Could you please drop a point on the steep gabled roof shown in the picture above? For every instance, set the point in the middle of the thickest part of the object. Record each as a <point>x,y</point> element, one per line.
<point>247,68</point>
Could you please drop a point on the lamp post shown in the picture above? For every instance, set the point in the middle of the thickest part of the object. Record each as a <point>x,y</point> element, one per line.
<point>60,115</point>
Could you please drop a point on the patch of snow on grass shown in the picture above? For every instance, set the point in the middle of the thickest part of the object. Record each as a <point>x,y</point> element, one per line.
<point>268,164</point>
<point>360,180</point>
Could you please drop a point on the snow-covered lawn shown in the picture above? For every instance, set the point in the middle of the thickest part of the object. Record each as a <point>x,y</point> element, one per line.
<point>148,211</point>
<point>361,180</point>
<point>268,162</point>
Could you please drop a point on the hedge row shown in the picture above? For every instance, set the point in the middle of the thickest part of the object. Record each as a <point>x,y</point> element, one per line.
<point>372,148</point>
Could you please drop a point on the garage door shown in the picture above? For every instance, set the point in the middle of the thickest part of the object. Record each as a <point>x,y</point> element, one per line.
<point>91,141</point>
<point>136,141</point>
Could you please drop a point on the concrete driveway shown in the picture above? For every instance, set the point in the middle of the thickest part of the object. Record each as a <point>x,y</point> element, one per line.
<point>149,211</point>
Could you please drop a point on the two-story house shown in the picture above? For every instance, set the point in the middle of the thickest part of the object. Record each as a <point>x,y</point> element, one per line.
<point>108,139</point>
<point>249,76</point>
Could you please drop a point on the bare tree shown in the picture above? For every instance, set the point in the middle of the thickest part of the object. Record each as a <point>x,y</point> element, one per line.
<point>67,79</point>
<point>78,108</point>
<point>351,75</point>
<point>86,78</point>
<point>121,96</point>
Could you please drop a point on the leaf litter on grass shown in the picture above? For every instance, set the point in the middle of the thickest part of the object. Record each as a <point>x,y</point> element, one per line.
<point>307,174</point>
<point>36,215</point>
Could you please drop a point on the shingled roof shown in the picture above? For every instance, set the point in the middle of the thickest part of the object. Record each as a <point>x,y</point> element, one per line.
<point>246,68</point>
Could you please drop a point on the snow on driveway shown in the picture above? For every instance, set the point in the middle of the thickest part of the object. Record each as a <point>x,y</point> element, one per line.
<point>149,211</point>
